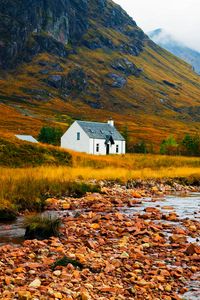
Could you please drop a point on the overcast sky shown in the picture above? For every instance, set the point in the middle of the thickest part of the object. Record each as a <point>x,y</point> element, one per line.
<point>179,17</point>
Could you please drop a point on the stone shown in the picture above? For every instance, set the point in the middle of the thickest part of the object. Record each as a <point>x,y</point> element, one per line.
<point>117,80</point>
<point>55,81</point>
<point>66,205</point>
<point>24,295</point>
<point>85,296</point>
<point>192,228</point>
<point>75,81</point>
<point>57,273</point>
<point>192,249</point>
<point>170,84</point>
<point>58,295</point>
<point>168,288</point>
<point>124,255</point>
<point>127,67</point>
<point>178,239</point>
<point>35,283</point>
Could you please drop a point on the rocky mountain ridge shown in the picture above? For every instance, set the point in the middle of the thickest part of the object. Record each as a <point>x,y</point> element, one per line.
<point>68,59</point>
<point>28,28</point>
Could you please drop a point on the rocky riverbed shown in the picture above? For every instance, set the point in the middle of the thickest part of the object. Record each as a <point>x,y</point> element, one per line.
<point>135,243</point>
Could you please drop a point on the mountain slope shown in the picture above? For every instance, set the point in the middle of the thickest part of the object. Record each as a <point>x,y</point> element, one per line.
<point>87,59</point>
<point>165,40</point>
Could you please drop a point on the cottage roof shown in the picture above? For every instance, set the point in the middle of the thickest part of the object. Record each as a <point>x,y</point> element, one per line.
<point>28,138</point>
<point>97,130</point>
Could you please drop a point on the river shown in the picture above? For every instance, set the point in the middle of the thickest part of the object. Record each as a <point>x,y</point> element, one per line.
<point>187,207</point>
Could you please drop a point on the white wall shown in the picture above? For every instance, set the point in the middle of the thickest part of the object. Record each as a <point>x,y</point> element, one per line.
<point>69,139</point>
<point>121,145</point>
<point>102,147</point>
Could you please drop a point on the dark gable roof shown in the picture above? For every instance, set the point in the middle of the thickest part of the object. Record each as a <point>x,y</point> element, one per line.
<point>96,130</point>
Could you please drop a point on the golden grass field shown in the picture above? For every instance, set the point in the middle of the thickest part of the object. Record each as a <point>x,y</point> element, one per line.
<point>25,188</point>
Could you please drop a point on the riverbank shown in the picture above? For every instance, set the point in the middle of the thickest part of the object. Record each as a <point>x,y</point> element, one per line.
<point>27,188</point>
<point>129,242</point>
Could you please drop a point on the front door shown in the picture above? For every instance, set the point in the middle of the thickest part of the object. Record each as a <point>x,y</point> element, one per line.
<point>107,149</point>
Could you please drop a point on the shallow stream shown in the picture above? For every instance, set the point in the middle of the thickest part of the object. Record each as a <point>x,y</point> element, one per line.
<point>187,207</point>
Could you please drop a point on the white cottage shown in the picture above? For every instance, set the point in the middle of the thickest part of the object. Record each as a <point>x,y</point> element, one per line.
<point>94,138</point>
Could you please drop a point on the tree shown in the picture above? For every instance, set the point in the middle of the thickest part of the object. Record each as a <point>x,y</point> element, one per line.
<point>125,134</point>
<point>140,147</point>
<point>50,135</point>
<point>191,145</point>
<point>169,146</point>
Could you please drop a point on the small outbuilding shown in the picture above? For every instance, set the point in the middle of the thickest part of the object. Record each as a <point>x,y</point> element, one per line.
<point>27,138</point>
<point>94,138</point>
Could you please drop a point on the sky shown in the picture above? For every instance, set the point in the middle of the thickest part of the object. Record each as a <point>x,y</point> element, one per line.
<point>181,18</point>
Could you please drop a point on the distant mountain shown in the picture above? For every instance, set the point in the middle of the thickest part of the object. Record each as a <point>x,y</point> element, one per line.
<point>168,42</point>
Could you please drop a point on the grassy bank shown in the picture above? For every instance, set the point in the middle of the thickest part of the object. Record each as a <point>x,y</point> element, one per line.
<point>27,188</point>
<point>134,161</point>
<point>15,153</point>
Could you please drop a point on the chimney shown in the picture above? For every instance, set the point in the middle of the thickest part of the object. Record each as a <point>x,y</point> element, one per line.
<point>111,122</point>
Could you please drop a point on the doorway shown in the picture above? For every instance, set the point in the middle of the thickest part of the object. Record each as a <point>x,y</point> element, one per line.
<point>107,149</point>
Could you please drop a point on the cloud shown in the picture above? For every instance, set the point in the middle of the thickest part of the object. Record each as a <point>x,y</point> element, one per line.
<point>178,17</point>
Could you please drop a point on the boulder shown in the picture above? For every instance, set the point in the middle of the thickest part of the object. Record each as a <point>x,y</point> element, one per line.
<point>55,81</point>
<point>117,80</point>
<point>76,80</point>
<point>127,67</point>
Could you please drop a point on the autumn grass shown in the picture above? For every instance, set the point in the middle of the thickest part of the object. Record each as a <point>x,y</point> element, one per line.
<point>134,162</point>
<point>28,188</point>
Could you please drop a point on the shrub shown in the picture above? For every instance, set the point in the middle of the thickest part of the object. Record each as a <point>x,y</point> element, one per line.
<point>140,147</point>
<point>50,135</point>
<point>64,261</point>
<point>41,227</point>
<point>7,211</point>
<point>191,145</point>
<point>79,189</point>
<point>169,146</point>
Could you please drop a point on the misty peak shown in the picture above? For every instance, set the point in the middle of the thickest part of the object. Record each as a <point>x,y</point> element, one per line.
<point>169,42</point>
<point>161,36</point>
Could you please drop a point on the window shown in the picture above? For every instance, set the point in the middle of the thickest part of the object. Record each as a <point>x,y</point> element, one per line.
<point>78,136</point>
<point>117,148</point>
<point>97,147</point>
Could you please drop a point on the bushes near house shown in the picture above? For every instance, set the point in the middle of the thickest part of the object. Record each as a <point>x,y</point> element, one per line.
<point>169,146</point>
<point>191,145</point>
<point>50,135</point>
<point>188,146</point>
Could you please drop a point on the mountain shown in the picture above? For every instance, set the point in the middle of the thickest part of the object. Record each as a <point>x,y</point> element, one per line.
<point>168,42</point>
<point>62,60</point>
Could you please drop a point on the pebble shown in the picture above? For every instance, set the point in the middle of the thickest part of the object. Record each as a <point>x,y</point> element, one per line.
<point>35,283</point>
<point>124,256</point>
<point>57,273</point>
